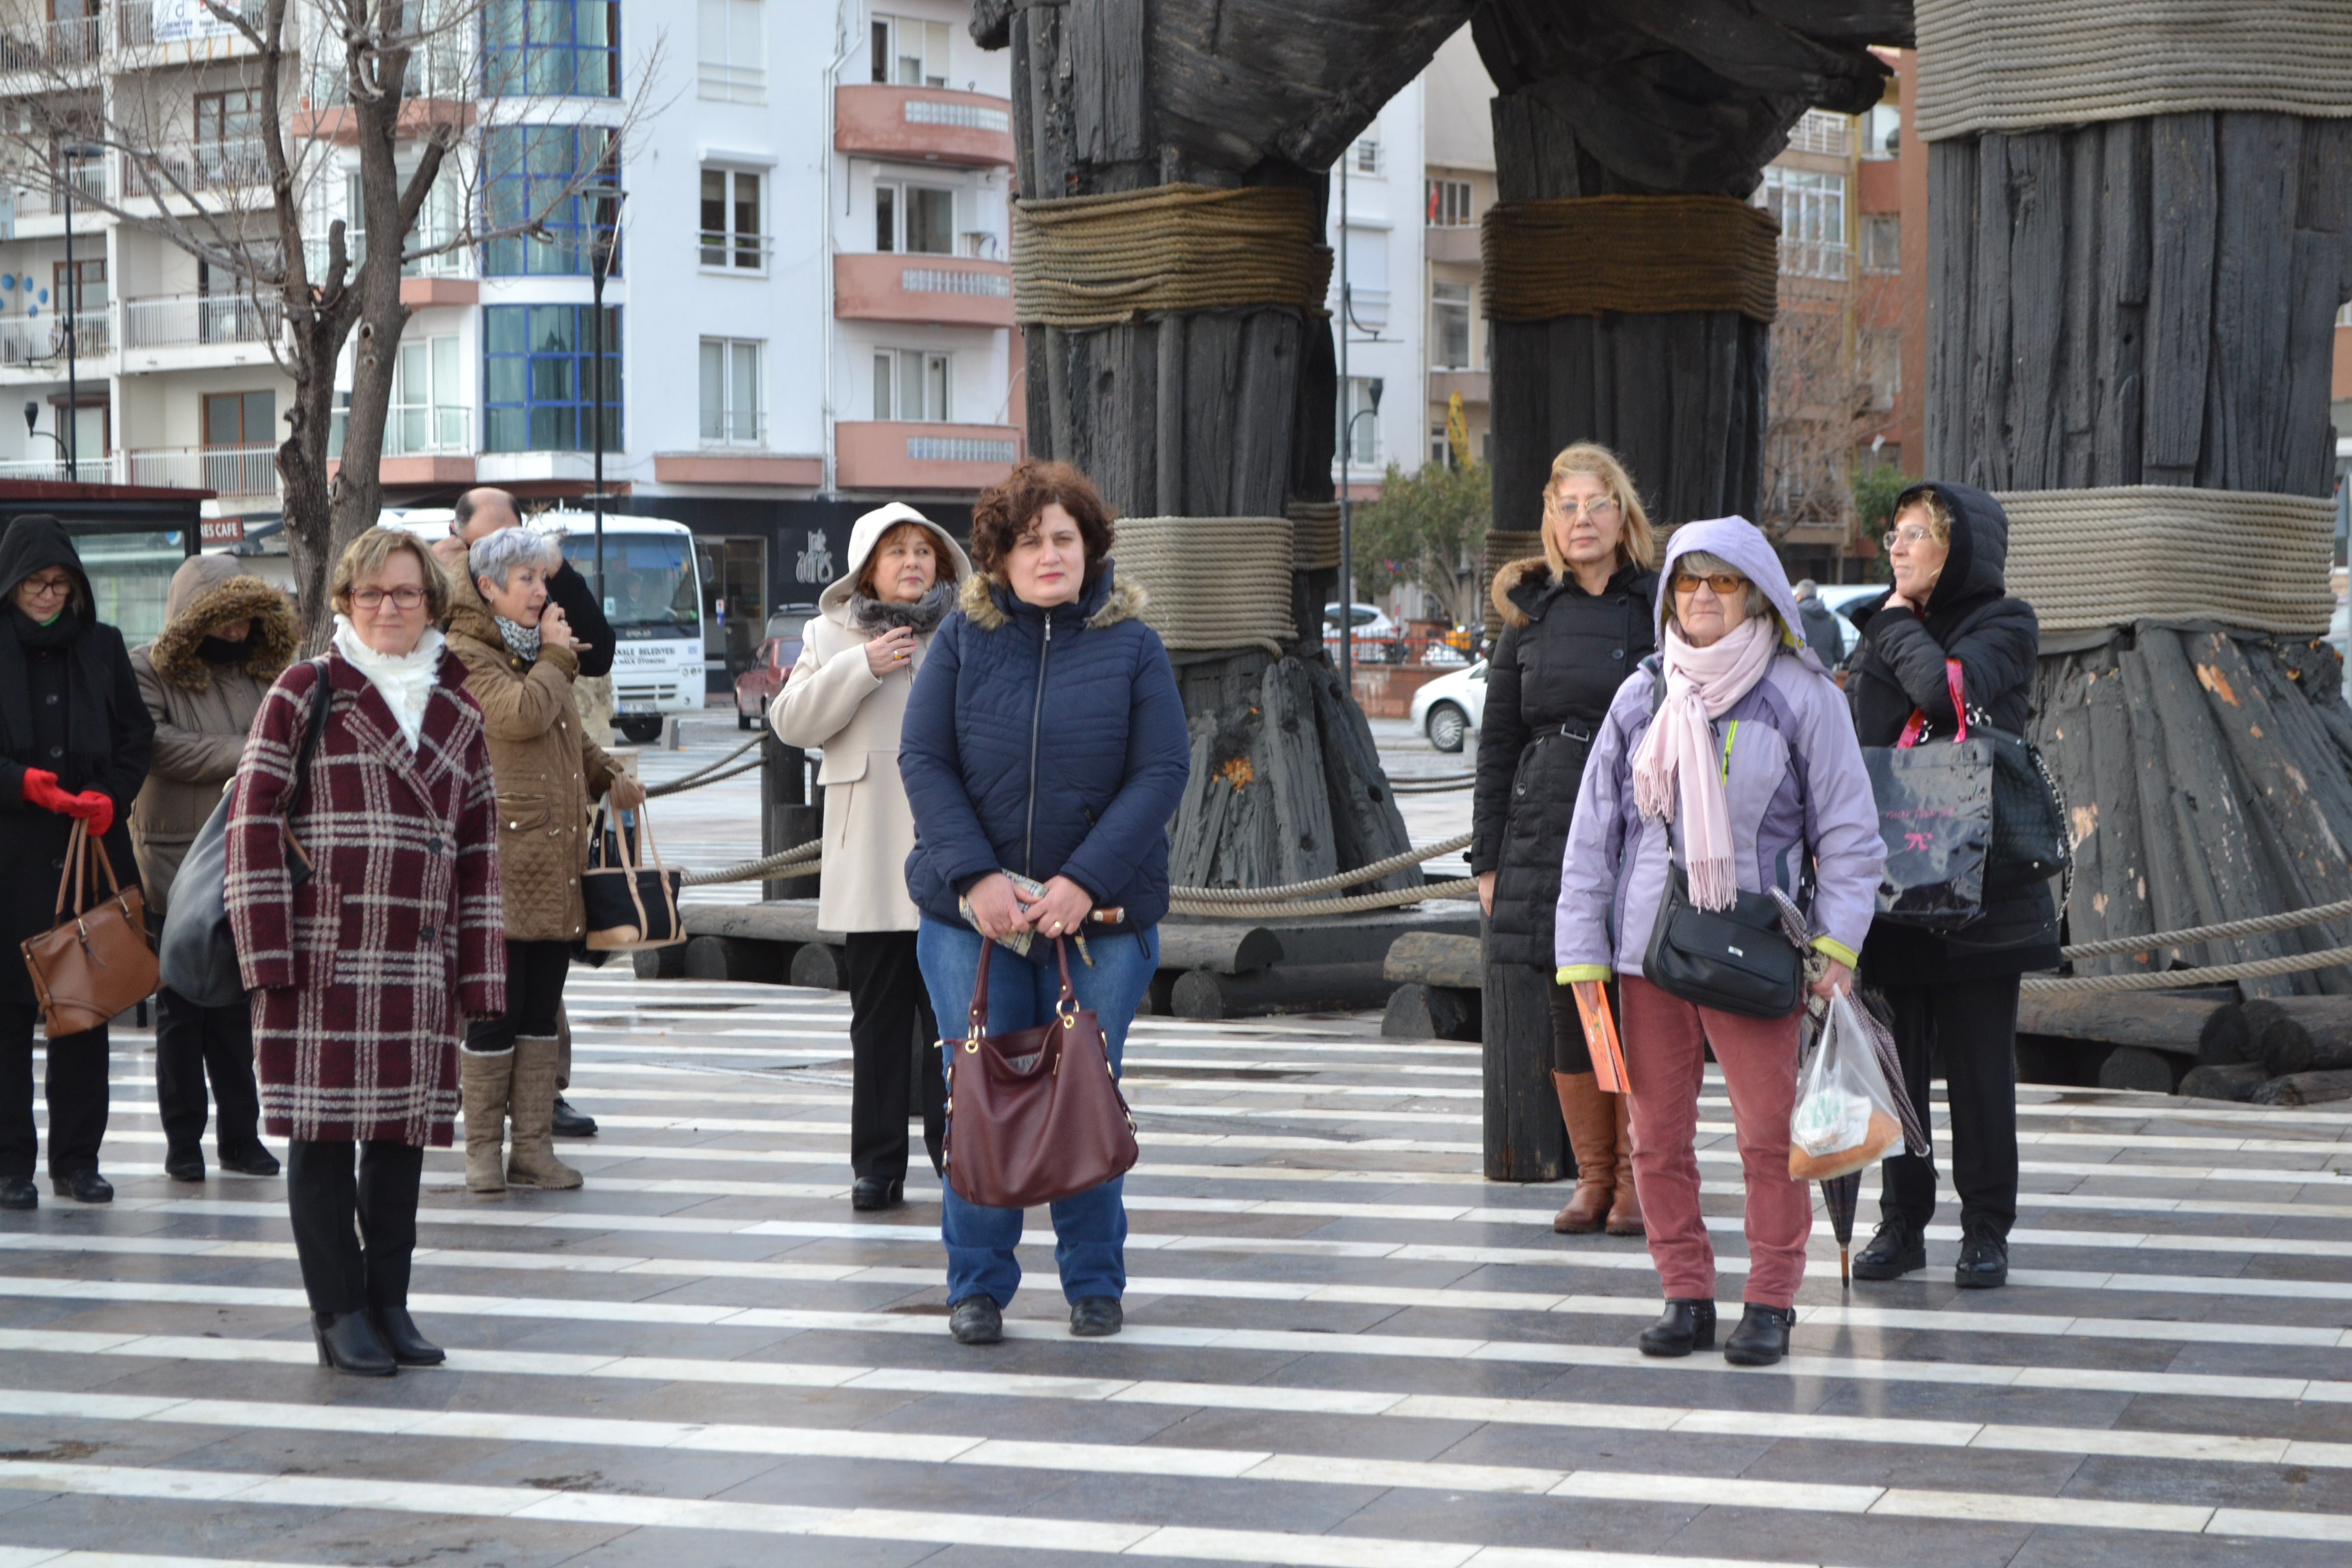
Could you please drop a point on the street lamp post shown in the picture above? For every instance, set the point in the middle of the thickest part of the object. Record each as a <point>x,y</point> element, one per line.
<point>71,305</point>
<point>604,242</point>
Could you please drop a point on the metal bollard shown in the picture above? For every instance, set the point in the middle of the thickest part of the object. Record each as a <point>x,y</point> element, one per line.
<point>787,815</point>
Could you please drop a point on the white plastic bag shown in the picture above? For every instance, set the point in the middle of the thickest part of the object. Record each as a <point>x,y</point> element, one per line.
<point>1845,1117</point>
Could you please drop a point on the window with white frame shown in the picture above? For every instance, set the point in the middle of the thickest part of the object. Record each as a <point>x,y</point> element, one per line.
<point>917,218</point>
<point>1882,130</point>
<point>731,406</point>
<point>910,51</point>
<point>1364,157</point>
<point>1449,203</point>
<point>1360,422</point>
<point>1449,325</point>
<point>734,232</point>
<point>428,406</point>
<point>1367,279</point>
<point>912,385</point>
<point>734,36</point>
<point>1881,242</point>
<point>1811,207</point>
<point>1821,132</point>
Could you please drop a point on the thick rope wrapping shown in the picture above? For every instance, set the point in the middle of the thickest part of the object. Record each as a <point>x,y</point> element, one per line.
<point>1580,256</point>
<point>1091,261</point>
<point>1503,547</point>
<point>1314,535</point>
<point>2020,65</point>
<point>2091,558</point>
<point>1210,582</point>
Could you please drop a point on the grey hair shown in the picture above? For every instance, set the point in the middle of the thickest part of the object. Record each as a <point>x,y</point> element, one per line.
<point>1700,563</point>
<point>1805,588</point>
<point>499,553</point>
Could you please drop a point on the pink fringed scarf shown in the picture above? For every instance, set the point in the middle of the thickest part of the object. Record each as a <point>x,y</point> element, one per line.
<point>1677,758</point>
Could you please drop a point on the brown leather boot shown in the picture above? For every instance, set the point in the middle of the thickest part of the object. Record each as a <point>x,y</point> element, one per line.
<point>1591,1137</point>
<point>1626,1208</point>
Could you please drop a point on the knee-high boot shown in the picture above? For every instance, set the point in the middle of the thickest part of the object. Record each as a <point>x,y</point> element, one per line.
<point>484,1080</point>
<point>1624,1208</point>
<point>1593,1138</point>
<point>532,1105</point>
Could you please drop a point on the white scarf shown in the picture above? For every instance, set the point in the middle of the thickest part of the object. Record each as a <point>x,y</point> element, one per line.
<point>406,680</point>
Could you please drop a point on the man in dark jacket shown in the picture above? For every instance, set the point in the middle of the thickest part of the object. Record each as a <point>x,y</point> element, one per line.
<point>74,741</point>
<point>1954,994</point>
<point>1822,633</point>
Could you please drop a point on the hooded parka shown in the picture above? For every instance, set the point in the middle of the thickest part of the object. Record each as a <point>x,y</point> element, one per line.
<point>202,710</point>
<point>548,774</point>
<point>833,702</point>
<point>1559,661</point>
<point>1898,668</point>
<point>69,705</point>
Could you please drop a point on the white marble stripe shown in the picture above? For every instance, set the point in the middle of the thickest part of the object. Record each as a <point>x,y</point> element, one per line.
<point>1019,1532</point>
<point>1289,1341</point>
<point>1435,1298</point>
<point>904,1446</point>
<point>70,1557</point>
<point>2119,1443</point>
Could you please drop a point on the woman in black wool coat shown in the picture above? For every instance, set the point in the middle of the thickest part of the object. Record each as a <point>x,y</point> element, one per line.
<point>1576,622</point>
<point>74,741</point>
<point>1954,994</point>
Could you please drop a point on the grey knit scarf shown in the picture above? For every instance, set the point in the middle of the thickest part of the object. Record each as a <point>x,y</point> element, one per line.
<point>521,640</point>
<point>923,615</point>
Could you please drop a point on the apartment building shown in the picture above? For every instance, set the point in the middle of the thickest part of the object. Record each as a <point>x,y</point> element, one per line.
<point>1375,233</point>
<point>1458,187</point>
<point>809,307</point>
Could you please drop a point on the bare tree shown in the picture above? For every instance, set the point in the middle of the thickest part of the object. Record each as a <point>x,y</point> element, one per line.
<point>350,142</point>
<point>1819,402</point>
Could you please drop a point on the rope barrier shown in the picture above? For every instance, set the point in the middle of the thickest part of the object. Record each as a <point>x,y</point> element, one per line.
<point>1581,255</point>
<point>1464,888</point>
<point>2260,558</point>
<point>798,854</point>
<point>2167,980</point>
<point>697,780</point>
<point>688,781</point>
<point>2109,946</point>
<point>1370,873</point>
<point>2020,65</point>
<point>1212,583</point>
<point>1093,261</point>
<point>1433,785</point>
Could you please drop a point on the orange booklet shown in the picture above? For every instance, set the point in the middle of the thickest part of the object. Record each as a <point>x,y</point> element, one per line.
<point>1601,1040</point>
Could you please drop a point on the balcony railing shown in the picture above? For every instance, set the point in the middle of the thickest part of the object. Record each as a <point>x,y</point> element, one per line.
<point>89,469</point>
<point>229,470</point>
<point>41,340</point>
<point>1816,259</point>
<point>211,166</point>
<point>939,280</point>
<point>928,123</point>
<point>36,196</point>
<point>195,321</point>
<point>36,46</point>
<point>1821,132</point>
<point>746,254</point>
<point>137,23</point>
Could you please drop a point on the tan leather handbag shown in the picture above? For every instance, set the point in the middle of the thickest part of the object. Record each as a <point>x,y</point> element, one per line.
<point>1034,1115</point>
<point>96,962</point>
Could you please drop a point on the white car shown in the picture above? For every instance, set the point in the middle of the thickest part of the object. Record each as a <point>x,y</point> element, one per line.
<point>1448,709</point>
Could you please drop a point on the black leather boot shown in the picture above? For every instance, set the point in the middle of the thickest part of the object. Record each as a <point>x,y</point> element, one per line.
<point>396,1331</point>
<point>869,1195</point>
<point>1686,1326</point>
<point>975,1320</point>
<point>1763,1336</point>
<point>347,1343</point>
<point>1984,1262</point>
<point>1898,1250</point>
<point>1095,1317</point>
<point>183,1164</point>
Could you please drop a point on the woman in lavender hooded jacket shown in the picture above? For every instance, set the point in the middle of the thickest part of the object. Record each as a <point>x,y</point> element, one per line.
<point>1747,774</point>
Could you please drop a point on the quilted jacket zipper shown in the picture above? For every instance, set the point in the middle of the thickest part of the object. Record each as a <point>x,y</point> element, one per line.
<point>1036,716</point>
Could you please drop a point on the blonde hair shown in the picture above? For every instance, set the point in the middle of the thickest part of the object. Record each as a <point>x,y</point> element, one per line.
<point>367,556</point>
<point>1939,516</point>
<point>1636,546</point>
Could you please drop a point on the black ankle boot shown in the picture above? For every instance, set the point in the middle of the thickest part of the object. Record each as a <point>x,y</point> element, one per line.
<point>1686,1326</point>
<point>397,1333</point>
<point>1763,1336</point>
<point>1984,1262</point>
<point>1898,1250</point>
<point>348,1343</point>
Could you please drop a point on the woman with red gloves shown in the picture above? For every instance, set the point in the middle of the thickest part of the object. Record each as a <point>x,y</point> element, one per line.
<point>74,741</point>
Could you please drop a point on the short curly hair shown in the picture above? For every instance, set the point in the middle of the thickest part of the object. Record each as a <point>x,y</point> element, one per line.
<point>366,556</point>
<point>1006,511</point>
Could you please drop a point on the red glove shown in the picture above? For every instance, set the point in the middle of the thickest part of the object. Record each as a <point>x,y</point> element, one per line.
<point>41,789</point>
<point>96,806</point>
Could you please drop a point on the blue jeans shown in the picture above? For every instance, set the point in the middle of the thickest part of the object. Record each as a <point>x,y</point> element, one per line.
<point>1090,1229</point>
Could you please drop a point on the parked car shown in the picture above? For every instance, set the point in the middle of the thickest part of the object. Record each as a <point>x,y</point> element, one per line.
<point>756,688</point>
<point>1376,638</point>
<point>1449,709</point>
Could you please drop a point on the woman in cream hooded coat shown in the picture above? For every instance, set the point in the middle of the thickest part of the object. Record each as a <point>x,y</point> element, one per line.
<point>847,697</point>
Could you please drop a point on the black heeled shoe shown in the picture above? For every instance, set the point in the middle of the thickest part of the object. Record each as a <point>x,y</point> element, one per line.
<point>348,1343</point>
<point>396,1331</point>
<point>1686,1326</point>
<point>1763,1336</point>
<point>865,1194</point>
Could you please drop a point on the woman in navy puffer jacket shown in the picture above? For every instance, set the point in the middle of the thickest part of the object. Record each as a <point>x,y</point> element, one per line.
<point>1044,738</point>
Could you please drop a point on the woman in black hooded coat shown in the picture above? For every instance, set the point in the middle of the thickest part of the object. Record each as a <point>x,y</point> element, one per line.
<point>74,741</point>
<point>1954,994</point>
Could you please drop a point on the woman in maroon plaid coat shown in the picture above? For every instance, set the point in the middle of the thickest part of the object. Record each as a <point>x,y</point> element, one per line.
<point>364,974</point>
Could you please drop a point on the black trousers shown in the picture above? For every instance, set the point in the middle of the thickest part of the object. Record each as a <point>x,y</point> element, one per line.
<point>192,1041</point>
<point>535,974</point>
<point>335,1212</point>
<point>1969,1026</point>
<point>891,1028</point>
<point>76,1087</point>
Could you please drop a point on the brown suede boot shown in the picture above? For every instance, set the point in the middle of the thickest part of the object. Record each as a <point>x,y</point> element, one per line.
<point>1591,1137</point>
<point>1625,1209</point>
<point>483,1082</point>
<point>532,1106</point>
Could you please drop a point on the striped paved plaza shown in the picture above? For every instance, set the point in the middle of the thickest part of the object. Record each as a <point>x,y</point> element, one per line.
<point>1343,1347</point>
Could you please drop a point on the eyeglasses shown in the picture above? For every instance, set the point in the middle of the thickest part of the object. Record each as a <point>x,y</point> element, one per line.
<point>1914,535</point>
<point>1725,584</point>
<point>373,598</point>
<point>1597,508</point>
<point>48,587</point>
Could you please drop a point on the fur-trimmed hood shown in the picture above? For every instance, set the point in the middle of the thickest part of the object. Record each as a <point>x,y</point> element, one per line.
<point>1528,572</point>
<point>988,605</point>
<point>207,593</point>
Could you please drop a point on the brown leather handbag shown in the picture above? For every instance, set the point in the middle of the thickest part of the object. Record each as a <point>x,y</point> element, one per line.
<point>96,962</point>
<point>1034,1115</point>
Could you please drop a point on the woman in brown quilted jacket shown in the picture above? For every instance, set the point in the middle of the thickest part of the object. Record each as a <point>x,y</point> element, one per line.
<point>520,662</point>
